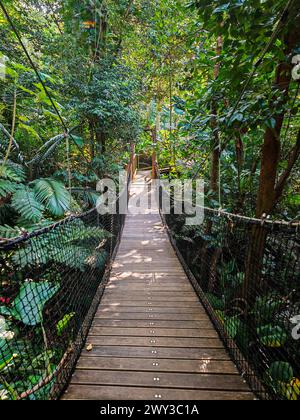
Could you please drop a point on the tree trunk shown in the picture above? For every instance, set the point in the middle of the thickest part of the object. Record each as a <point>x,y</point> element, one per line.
<point>271,148</point>
<point>154,158</point>
<point>215,142</point>
<point>267,195</point>
<point>101,141</point>
<point>92,139</point>
<point>239,150</point>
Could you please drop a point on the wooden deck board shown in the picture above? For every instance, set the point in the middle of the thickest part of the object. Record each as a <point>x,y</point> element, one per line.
<point>178,342</point>
<point>157,353</point>
<point>163,380</point>
<point>117,393</point>
<point>163,365</point>
<point>150,332</point>
<point>151,337</point>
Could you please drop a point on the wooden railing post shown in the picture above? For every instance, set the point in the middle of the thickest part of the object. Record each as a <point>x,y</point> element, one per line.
<point>154,157</point>
<point>132,161</point>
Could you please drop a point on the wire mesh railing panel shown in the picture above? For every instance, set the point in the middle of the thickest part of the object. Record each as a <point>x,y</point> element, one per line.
<point>50,285</point>
<point>247,275</point>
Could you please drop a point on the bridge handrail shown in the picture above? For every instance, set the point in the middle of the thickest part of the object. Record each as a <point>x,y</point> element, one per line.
<point>51,281</point>
<point>246,272</point>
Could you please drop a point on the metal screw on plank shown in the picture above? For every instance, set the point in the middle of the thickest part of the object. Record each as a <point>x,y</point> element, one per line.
<point>152,341</point>
<point>154,352</point>
<point>158,396</point>
<point>156,364</point>
<point>156,379</point>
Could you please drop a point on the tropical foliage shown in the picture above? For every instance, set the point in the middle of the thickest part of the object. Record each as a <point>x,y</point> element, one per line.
<point>210,86</point>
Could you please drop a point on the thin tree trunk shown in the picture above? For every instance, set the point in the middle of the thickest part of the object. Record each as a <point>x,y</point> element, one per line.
<point>239,150</point>
<point>269,166</point>
<point>100,141</point>
<point>271,148</point>
<point>92,139</point>
<point>13,126</point>
<point>215,142</point>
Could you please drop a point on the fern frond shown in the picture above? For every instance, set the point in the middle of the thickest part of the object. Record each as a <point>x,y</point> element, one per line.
<point>24,257</point>
<point>73,256</point>
<point>27,205</point>
<point>7,187</point>
<point>12,171</point>
<point>8,232</point>
<point>78,233</point>
<point>88,196</point>
<point>28,226</point>
<point>97,259</point>
<point>74,245</point>
<point>47,149</point>
<point>53,195</point>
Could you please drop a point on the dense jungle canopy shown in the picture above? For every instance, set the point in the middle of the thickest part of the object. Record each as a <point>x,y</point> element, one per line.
<point>217,80</point>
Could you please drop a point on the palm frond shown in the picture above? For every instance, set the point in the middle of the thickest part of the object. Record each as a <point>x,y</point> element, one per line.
<point>90,198</point>
<point>25,202</point>
<point>47,149</point>
<point>74,245</point>
<point>86,195</point>
<point>12,171</point>
<point>53,195</point>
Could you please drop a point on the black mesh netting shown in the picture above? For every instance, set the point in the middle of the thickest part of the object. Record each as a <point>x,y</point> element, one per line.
<point>50,285</point>
<point>247,274</point>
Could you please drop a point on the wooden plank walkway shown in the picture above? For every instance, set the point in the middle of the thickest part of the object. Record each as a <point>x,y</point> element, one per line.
<point>151,337</point>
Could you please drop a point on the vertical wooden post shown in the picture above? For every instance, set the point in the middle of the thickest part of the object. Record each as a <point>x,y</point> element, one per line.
<point>154,142</point>
<point>132,162</point>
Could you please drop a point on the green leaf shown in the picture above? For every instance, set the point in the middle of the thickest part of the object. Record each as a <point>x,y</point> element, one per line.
<point>281,371</point>
<point>26,90</point>
<point>63,323</point>
<point>29,304</point>
<point>6,352</point>
<point>5,311</point>
<point>222,8</point>
<point>266,307</point>
<point>30,130</point>
<point>215,302</point>
<point>25,202</point>
<point>232,326</point>
<point>53,195</point>
<point>272,336</point>
<point>12,171</point>
<point>7,187</point>
<point>271,123</point>
<point>78,140</point>
<point>8,232</point>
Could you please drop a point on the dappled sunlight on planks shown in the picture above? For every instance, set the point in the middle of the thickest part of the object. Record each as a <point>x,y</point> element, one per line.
<point>151,336</point>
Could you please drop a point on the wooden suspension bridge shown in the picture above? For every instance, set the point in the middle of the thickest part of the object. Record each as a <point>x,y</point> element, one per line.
<point>151,338</point>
